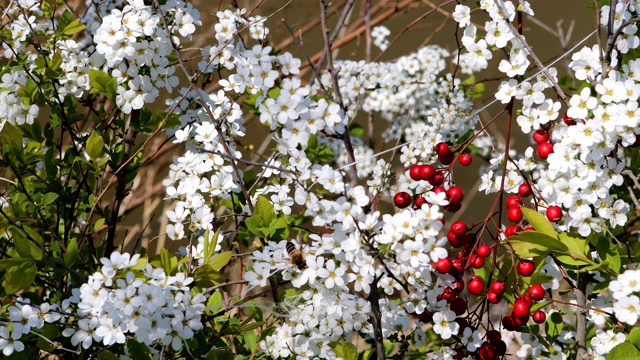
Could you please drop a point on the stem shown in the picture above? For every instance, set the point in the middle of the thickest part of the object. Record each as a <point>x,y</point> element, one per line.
<point>581,315</point>
<point>121,187</point>
<point>376,319</point>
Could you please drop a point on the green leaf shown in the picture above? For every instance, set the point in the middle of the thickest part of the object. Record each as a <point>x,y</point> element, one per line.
<point>106,355</point>
<point>210,243</point>
<point>566,82</point>
<point>165,260</point>
<point>138,350</point>
<point>634,337</point>
<point>276,227</point>
<point>48,198</point>
<point>95,145</point>
<point>19,277</point>
<point>345,350</point>
<point>11,262</point>
<point>624,351</point>
<point>575,244</point>
<point>263,214</point>
<point>534,243</point>
<point>206,276</point>
<point>251,340</point>
<point>478,90</point>
<point>553,325</point>
<point>72,255</point>
<point>65,19</point>
<point>214,304</point>
<point>366,355</point>
<point>219,354</point>
<point>74,27</point>
<point>356,130</point>
<point>11,135</point>
<point>219,261</point>
<point>608,251</point>
<point>98,224</point>
<point>539,222</point>
<point>25,247</point>
<point>101,82</point>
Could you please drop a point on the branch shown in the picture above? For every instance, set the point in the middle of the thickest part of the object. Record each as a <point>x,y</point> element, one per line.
<point>581,314</point>
<point>376,319</point>
<point>611,39</point>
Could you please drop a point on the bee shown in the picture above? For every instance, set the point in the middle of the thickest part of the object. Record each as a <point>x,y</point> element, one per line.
<point>295,256</point>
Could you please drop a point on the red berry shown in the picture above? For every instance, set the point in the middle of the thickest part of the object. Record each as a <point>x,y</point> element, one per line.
<point>459,306</point>
<point>524,190</point>
<point>402,199</point>
<point>458,285</point>
<point>443,265</point>
<point>526,267</point>
<point>446,159</point>
<point>494,335</point>
<point>427,172</point>
<point>536,291</point>
<point>512,230</point>
<point>540,136</point>
<point>465,159</point>
<point>493,297</point>
<point>487,351</point>
<point>521,308</point>
<point>514,201</point>
<point>459,228</point>
<point>526,297</point>
<point>521,321</point>
<point>514,214</point>
<point>509,323</point>
<point>498,287</point>
<point>478,262</point>
<point>501,347</point>
<point>425,317</point>
<point>448,295</point>
<point>567,120</point>
<point>437,179</point>
<point>414,172</point>
<point>453,207</point>
<point>457,267</point>
<point>475,286</point>
<point>463,254</point>
<point>442,149</point>
<point>455,240</point>
<point>544,150</point>
<point>420,201</point>
<point>554,213</point>
<point>455,194</point>
<point>539,317</point>
<point>462,323</point>
<point>483,250</point>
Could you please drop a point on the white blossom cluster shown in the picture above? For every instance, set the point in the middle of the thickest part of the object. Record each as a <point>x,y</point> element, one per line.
<point>124,300</point>
<point>23,319</point>
<point>586,162</point>
<point>422,107</point>
<point>134,45</point>
<point>379,35</point>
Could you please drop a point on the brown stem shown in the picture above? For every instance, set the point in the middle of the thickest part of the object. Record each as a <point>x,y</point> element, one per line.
<point>121,186</point>
<point>376,319</point>
<point>581,315</point>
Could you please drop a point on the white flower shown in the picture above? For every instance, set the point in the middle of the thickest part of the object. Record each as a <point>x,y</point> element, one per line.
<point>444,324</point>
<point>603,342</point>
